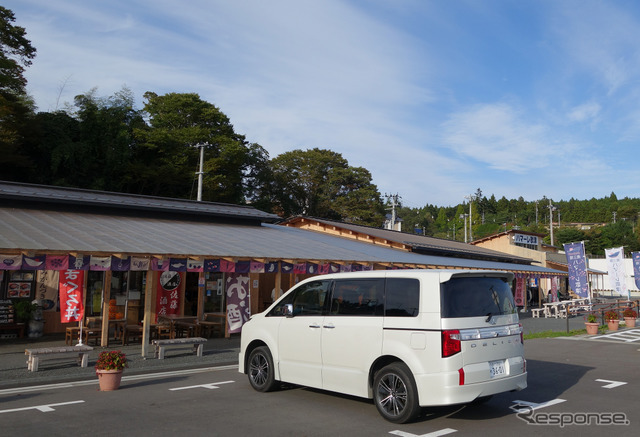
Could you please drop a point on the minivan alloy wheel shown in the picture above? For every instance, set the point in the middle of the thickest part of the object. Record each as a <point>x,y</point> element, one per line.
<point>395,393</point>
<point>260,372</point>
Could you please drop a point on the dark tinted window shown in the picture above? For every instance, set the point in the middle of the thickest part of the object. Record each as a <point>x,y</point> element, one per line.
<point>474,297</point>
<point>402,297</point>
<point>361,297</point>
<point>308,299</point>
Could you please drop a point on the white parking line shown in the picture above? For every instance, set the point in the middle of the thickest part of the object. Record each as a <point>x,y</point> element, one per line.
<point>625,336</point>
<point>124,378</point>
<point>42,408</point>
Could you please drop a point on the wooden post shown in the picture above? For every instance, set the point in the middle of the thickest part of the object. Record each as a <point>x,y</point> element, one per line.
<point>278,285</point>
<point>106,295</point>
<point>146,321</point>
<point>201,289</point>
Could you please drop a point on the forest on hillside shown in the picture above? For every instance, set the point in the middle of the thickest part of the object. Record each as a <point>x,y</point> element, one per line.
<point>108,143</point>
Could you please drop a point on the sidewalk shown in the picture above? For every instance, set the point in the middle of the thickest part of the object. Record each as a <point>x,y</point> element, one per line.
<point>14,373</point>
<point>217,352</point>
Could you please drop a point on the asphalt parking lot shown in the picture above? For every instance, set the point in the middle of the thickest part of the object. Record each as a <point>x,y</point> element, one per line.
<point>580,385</point>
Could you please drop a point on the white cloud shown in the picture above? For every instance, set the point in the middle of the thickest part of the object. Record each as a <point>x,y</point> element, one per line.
<point>584,112</point>
<point>500,138</point>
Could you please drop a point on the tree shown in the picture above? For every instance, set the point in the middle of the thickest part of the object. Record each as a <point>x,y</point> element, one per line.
<point>177,124</point>
<point>16,53</point>
<point>320,183</point>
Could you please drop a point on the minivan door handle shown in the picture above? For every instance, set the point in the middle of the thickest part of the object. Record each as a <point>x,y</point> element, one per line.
<point>315,326</point>
<point>330,326</point>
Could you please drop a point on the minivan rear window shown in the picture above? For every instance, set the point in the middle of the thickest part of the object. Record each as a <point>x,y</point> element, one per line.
<point>402,297</point>
<point>475,297</point>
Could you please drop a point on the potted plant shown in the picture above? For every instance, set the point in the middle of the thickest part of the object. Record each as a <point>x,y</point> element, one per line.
<point>592,324</point>
<point>109,369</point>
<point>630,315</point>
<point>612,319</point>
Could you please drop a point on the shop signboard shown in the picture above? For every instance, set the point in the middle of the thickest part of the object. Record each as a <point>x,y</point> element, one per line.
<point>71,296</point>
<point>168,299</point>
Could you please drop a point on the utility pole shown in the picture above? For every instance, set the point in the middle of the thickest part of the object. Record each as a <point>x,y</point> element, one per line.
<point>551,208</point>
<point>395,201</point>
<point>470,197</point>
<point>464,218</point>
<point>615,213</point>
<point>536,213</point>
<point>200,173</point>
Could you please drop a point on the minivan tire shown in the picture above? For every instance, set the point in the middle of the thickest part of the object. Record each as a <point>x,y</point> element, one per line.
<point>395,393</point>
<point>260,370</point>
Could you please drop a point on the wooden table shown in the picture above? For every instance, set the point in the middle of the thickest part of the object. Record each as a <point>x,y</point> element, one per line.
<point>173,320</point>
<point>217,318</point>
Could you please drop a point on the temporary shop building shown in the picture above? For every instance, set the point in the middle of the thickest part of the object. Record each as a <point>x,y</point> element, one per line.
<point>141,256</point>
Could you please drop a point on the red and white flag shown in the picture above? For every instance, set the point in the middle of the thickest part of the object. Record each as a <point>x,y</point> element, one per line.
<point>71,295</point>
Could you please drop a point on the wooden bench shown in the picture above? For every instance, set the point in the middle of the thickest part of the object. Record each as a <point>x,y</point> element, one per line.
<point>34,355</point>
<point>197,342</point>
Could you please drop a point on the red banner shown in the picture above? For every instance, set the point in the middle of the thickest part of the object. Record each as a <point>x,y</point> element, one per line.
<point>520,292</point>
<point>71,295</point>
<point>168,299</point>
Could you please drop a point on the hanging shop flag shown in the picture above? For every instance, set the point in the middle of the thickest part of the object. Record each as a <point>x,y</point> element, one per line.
<point>519,295</point>
<point>345,268</point>
<point>120,264</point>
<point>577,263</point>
<point>79,262</point>
<point>10,262</point>
<point>34,262</point>
<point>257,267</point>
<point>211,265</point>
<point>615,268</point>
<point>140,264</point>
<point>71,295</point>
<point>271,267</point>
<point>367,267</point>
<point>356,268</point>
<point>334,268</point>
<point>159,265</point>
<point>168,295</point>
<point>195,265</point>
<point>312,269</point>
<point>178,264</point>
<point>636,267</point>
<point>47,284</point>
<point>227,266</point>
<point>286,267</point>
<point>243,267</point>
<point>57,262</point>
<point>238,310</point>
<point>100,263</point>
<point>323,268</point>
<point>300,268</point>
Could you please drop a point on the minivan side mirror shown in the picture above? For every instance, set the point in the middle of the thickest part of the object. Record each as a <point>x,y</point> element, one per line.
<point>288,310</point>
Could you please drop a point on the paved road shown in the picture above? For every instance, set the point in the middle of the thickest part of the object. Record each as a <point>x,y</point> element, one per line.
<point>567,376</point>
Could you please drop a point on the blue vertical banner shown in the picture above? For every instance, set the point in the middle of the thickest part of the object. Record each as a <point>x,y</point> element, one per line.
<point>636,267</point>
<point>577,263</point>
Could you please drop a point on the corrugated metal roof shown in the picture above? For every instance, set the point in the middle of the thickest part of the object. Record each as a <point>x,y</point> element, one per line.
<point>14,191</point>
<point>421,242</point>
<point>58,231</point>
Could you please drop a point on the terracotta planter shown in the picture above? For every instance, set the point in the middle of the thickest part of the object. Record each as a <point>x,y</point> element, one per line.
<point>630,322</point>
<point>592,328</point>
<point>109,379</point>
<point>613,325</point>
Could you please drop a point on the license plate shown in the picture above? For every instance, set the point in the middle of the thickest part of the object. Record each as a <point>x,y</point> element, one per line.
<point>496,368</point>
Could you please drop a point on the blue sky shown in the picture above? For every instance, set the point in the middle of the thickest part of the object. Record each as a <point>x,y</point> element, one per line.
<point>435,98</point>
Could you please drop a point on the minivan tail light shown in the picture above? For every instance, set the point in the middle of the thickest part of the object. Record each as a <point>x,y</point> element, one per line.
<point>450,342</point>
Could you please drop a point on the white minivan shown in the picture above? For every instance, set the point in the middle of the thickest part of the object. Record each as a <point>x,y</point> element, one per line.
<point>404,338</point>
